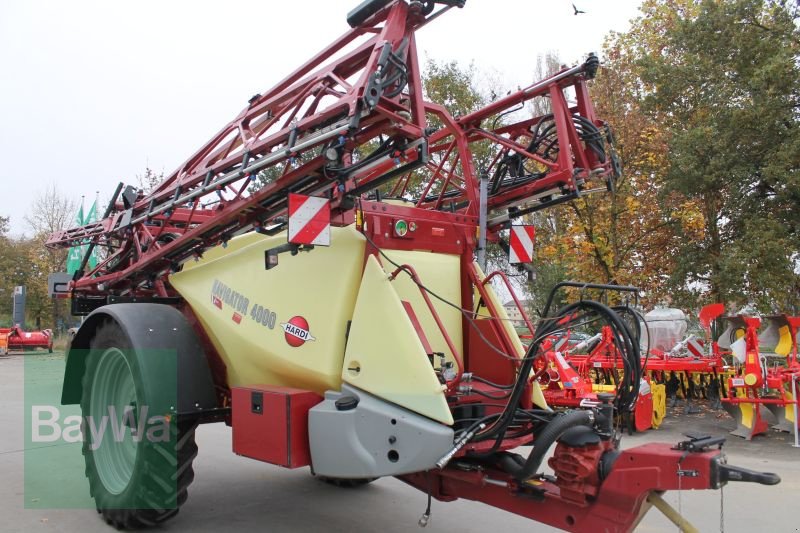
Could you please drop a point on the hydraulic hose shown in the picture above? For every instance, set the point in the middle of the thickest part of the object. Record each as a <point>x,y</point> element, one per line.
<point>545,440</point>
<point>628,390</point>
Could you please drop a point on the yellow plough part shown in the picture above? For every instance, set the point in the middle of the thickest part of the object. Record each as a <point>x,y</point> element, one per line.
<point>749,422</point>
<point>784,346</point>
<point>659,391</point>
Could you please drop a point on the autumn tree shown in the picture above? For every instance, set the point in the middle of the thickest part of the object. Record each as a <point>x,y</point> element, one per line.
<point>619,236</point>
<point>550,264</point>
<point>628,235</point>
<point>705,117</point>
<point>19,266</point>
<point>566,245</point>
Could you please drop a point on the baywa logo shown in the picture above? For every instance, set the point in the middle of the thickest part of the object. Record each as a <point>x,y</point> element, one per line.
<point>296,331</point>
<point>48,426</point>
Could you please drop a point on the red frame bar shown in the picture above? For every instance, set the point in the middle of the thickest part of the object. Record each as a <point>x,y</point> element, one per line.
<point>620,501</point>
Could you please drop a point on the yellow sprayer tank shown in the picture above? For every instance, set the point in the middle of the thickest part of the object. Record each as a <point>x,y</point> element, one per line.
<point>298,326</point>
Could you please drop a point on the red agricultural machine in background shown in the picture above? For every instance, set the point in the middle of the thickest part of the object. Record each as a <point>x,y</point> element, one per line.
<point>16,339</point>
<point>688,365</point>
<point>750,369</point>
<point>573,373</point>
<point>312,271</point>
<point>763,383</point>
<point>674,363</point>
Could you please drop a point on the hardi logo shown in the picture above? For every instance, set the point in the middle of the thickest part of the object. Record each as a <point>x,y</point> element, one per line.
<point>296,331</point>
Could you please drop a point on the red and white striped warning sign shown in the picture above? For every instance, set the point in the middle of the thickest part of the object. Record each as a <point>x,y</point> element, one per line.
<point>309,220</point>
<point>521,247</point>
<point>695,347</point>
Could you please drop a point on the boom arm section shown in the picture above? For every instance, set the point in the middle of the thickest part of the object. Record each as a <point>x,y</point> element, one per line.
<point>351,121</point>
<point>531,162</point>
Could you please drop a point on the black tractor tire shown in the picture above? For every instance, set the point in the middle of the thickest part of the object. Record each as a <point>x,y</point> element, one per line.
<point>159,474</point>
<point>346,483</point>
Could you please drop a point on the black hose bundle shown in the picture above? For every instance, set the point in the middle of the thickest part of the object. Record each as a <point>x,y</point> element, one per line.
<point>395,77</point>
<point>579,313</point>
<point>544,139</point>
<point>511,169</point>
<point>576,314</point>
<point>635,320</point>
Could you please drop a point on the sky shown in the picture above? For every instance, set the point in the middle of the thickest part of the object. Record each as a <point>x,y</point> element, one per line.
<point>94,92</point>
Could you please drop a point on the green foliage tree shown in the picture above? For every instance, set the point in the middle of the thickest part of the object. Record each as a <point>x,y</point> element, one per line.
<point>453,86</point>
<point>23,261</point>
<point>6,271</point>
<point>723,79</point>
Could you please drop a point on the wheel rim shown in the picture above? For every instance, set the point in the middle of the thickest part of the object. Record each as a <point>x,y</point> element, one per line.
<point>113,390</point>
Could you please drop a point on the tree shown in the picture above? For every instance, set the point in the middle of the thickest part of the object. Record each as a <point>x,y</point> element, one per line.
<point>453,86</point>
<point>627,235</point>
<point>551,263</point>
<point>456,88</point>
<point>18,266</point>
<point>51,211</point>
<point>149,180</point>
<point>39,262</point>
<point>6,270</point>
<point>602,238</point>
<point>724,81</point>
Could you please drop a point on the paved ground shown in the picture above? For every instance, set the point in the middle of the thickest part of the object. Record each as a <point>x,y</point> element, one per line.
<point>231,493</point>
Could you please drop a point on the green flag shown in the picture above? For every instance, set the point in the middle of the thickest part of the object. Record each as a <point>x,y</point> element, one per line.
<point>91,216</point>
<point>75,255</point>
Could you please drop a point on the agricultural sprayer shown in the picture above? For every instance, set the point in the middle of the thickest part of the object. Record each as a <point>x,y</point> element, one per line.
<point>309,278</point>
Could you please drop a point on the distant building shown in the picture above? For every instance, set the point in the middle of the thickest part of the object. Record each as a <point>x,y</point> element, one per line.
<point>513,311</point>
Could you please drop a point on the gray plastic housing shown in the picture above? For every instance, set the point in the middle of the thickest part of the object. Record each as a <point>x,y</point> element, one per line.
<point>375,439</point>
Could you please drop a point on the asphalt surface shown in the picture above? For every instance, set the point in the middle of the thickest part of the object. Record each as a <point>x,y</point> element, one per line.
<point>231,493</point>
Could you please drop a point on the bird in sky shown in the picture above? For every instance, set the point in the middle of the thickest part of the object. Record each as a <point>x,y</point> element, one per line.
<point>577,11</point>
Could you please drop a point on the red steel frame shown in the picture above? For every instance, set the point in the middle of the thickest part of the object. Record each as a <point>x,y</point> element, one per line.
<point>211,197</point>
<point>756,385</point>
<point>618,506</point>
<point>284,138</point>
